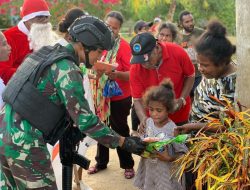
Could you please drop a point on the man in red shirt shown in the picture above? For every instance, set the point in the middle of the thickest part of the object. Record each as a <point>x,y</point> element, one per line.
<point>32,11</point>
<point>153,61</point>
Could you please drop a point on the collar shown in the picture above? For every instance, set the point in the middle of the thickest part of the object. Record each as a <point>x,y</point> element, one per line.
<point>21,26</point>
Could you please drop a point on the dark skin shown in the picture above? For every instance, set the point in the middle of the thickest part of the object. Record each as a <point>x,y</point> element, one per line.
<point>164,156</point>
<point>153,63</point>
<point>37,19</point>
<point>115,26</point>
<point>210,71</point>
<point>187,23</point>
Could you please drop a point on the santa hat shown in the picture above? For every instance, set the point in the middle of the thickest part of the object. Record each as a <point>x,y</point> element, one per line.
<point>33,8</point>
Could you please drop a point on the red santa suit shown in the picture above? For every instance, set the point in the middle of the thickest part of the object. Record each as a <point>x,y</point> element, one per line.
<point>19,49</point>
<point>17,37</point>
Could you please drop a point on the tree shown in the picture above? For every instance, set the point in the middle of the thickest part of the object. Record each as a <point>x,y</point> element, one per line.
<point>243,56</point>
<point>171,11</point>
<point>243,51</point>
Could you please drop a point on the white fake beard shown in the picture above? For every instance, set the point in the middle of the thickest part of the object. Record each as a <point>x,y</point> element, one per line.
<point>42,35</point>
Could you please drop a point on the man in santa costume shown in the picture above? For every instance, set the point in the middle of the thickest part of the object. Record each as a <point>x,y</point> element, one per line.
<point>32,11</point>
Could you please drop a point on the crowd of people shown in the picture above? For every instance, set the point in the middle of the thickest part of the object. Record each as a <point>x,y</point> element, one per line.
<point>166,77</point>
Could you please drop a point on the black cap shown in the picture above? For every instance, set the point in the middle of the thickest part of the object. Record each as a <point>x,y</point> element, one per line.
<point>141,46</point>
<point>140,24</point>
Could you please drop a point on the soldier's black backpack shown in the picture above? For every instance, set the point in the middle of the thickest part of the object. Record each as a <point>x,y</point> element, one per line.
<point>26,100</point>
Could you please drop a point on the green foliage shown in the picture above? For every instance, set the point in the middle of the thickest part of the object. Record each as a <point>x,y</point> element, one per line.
<point>203,10</point>
<point>4,22</point>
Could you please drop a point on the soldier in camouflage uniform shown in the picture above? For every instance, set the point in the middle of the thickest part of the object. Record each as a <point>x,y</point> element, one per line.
<point>24,158</point>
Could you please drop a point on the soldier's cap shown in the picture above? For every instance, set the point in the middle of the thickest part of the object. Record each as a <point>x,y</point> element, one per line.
<point>141,46</point>
<point>140,24</point>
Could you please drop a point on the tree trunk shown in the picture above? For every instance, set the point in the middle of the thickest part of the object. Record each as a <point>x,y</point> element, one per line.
<point>243,52</point>
<point>171,11</point>
<point>243,71</point>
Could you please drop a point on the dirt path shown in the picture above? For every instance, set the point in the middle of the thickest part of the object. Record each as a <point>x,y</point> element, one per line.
<point>110,179</point>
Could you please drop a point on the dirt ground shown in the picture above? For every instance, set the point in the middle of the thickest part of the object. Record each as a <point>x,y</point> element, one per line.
<point>110,179</point>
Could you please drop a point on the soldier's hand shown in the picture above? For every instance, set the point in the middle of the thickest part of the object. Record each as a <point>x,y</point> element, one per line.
<point>134,145</point>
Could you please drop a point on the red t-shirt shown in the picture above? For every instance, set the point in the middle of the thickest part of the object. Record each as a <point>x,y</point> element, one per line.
<point>123,60</point>
<point>19,44</point>
<point>175,65</point>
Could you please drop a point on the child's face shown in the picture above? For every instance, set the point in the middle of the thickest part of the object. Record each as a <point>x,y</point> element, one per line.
<point>158,113</point>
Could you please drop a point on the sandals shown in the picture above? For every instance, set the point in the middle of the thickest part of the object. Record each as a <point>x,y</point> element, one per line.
<point>94,170</point>
<point>129,173</point>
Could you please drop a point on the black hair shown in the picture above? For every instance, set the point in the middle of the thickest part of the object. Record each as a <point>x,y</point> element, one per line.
<point>169,26</point>
<point>69,18</point>
<point>163,93</point>
<point>214,44</point>
<point>116,14</point>
<point>182,14</point>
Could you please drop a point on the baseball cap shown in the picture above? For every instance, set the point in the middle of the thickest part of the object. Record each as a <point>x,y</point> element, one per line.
<point>141,46</point>
<point>140,24</point>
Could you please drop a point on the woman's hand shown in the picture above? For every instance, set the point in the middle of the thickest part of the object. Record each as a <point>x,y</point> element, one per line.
<point>112,75</point>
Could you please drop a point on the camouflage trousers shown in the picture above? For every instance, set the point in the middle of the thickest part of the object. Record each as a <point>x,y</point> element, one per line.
<point>25,161</point>
<point>28,171</point>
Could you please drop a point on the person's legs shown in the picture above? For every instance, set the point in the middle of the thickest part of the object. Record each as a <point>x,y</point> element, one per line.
<point>102,157</point>
<point>118,121</point>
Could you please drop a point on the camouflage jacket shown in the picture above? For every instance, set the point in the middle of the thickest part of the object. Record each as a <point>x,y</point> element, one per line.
<point>62,84</point>
<point>220,88</point>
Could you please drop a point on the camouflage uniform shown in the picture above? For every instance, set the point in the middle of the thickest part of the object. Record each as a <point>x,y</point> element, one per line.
<point>25,160</point>
<point>219,88</point>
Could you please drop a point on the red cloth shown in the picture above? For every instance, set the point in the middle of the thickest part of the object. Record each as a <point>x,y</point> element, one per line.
<point>31,7</point>
<point>123,59</point>
<point>176,65</point>
<point>19,44</point>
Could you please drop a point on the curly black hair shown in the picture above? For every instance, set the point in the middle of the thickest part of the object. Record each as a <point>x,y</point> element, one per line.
<point>215,45</point>
<point>163,93</point>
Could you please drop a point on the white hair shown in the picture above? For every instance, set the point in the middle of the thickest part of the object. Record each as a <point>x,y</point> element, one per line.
<point>42,35</point>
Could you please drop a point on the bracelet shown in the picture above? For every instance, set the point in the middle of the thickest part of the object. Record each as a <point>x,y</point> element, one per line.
<point>183,101</point>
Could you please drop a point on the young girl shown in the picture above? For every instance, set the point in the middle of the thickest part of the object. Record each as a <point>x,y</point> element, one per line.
<point>155,173</point>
